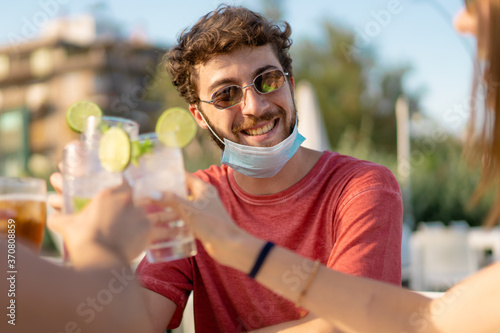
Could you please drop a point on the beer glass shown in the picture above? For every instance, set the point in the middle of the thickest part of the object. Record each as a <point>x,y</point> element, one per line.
<point>26,199</point>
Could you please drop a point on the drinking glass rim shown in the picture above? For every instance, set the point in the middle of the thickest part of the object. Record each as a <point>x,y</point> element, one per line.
<point>38,184</point>
<point>148,136</point>
<point>20,179</point>
<point>129,125</point>
<point>154,138</point>
<point>120,120</point>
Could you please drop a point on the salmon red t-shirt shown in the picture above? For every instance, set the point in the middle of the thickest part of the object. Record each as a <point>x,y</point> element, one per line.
<point>345,212</point>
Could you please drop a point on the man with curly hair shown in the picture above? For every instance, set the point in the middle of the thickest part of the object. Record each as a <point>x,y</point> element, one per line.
<point>234,69</point>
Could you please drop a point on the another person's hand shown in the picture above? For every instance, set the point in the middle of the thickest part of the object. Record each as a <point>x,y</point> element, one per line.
<point>56,180</point>
<point>110,222</point>
<point>207,217</point>
<point>56,200</point>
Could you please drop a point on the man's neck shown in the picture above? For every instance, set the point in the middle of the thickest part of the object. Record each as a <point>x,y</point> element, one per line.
<point>293,171</point>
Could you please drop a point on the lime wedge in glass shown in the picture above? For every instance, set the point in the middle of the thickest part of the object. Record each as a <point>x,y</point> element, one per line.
<point>176,128</point>
<point>114,150</point>
<point>80,203</point>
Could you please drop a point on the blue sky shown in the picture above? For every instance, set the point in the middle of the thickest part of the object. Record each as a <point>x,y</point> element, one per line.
<point>415,33</point>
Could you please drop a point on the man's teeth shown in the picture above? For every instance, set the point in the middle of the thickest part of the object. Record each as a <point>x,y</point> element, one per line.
<point>261,130</point>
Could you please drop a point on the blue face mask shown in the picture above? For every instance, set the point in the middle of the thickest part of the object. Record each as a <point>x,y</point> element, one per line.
<point>259,162</point>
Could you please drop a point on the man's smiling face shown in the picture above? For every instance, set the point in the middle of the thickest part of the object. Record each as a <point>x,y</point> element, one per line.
<point>258,120</point>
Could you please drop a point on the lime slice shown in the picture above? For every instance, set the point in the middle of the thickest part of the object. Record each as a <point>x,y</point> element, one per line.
<point>114,150</point>
<point>78,113</point>
<point>80,203</point>
<point>176,128</point>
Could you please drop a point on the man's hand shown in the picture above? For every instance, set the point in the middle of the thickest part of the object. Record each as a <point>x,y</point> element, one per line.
<point>206,215</point>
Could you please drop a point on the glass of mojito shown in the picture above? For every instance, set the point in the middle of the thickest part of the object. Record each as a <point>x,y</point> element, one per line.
<point>95,163</point>
<point>157,169</point>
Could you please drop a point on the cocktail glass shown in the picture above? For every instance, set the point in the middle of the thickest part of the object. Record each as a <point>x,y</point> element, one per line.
<point>160,170</point>
<point>83,175</point>
<point>82,172</point>
<point>26,197</point>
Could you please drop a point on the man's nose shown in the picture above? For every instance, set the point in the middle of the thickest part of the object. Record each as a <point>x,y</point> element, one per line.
<point>253,102</point>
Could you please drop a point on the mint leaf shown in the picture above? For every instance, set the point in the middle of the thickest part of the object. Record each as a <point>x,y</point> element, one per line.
<point>139,149</point>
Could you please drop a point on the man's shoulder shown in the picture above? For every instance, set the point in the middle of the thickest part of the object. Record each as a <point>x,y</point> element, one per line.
<point>334,160</point>
<point>214,175</point>
<point>357,170</point>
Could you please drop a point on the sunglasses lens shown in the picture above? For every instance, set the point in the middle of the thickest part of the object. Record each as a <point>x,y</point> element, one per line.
<point>269,82</point>
<point>264,83</point>
<point>227,97</point>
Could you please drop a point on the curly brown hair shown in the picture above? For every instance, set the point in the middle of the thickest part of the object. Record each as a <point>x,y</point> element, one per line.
<point>221,31</point>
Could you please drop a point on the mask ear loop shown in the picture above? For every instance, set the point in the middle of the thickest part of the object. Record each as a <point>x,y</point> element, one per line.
<point>210,128</point>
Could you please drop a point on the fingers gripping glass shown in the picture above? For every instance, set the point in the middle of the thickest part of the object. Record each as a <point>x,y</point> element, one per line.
<point>264,83</point>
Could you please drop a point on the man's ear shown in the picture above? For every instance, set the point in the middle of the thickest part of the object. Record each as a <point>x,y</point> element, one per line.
<point>197,116</point>
<point>292,84</point>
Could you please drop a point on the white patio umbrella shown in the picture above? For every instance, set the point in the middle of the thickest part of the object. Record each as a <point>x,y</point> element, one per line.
<point>311,124</point>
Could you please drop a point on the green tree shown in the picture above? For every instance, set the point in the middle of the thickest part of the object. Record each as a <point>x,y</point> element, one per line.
<point>442,183</point>
<point>351,86</point>
<point>389,87</point>
<point>339,81</point>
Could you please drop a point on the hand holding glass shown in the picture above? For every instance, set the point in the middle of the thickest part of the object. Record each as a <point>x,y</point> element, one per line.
<point>161,170</point>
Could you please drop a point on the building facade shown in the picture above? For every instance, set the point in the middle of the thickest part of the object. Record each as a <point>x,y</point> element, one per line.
<point>72,60</point>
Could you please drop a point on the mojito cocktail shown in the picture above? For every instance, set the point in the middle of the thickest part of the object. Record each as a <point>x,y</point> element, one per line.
<point>159,169</point>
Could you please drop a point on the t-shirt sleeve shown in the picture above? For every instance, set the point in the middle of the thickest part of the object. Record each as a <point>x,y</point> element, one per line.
<point>170,279</point>
<point>368,227</point>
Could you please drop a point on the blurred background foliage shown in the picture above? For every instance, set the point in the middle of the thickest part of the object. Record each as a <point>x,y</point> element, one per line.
<point>357,99</point>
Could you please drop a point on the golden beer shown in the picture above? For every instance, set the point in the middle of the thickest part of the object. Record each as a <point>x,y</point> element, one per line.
<point>30,213</point>
<point>24,201</point>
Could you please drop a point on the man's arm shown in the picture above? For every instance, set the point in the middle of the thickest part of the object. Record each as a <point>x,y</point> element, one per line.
<point>160,309</point>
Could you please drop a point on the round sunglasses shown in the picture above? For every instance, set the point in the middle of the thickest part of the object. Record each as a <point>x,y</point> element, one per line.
<point>264,83</point>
